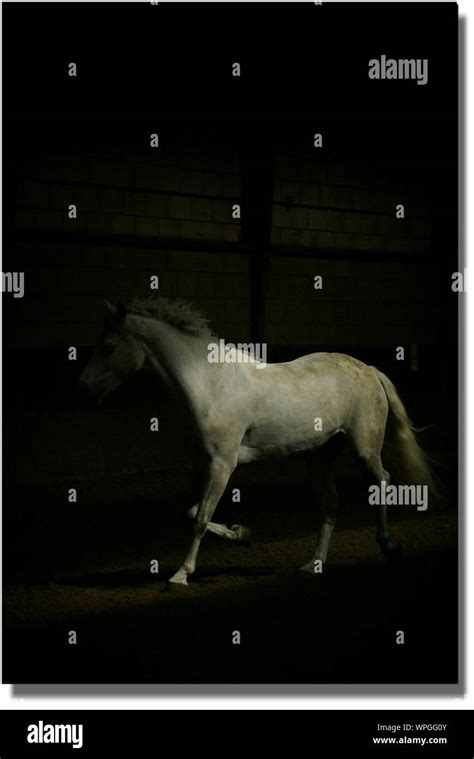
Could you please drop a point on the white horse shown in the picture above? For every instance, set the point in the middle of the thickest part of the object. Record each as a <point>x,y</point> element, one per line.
<point>243,411</point>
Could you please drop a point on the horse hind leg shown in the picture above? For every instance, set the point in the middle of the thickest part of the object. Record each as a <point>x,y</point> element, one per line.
<point>384,538</point>
<point>367,437</point>
<point>237,532</point>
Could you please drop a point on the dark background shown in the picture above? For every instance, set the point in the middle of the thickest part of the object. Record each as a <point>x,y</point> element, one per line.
<point>305,211</point>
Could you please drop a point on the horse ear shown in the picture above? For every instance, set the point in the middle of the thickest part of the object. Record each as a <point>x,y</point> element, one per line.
<point>121,311</point>
<point>110,308</point>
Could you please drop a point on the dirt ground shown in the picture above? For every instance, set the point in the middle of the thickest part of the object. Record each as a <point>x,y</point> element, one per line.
<point>86,567</point>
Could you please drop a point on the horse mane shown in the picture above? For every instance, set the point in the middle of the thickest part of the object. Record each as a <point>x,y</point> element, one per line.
<point>175,311</point>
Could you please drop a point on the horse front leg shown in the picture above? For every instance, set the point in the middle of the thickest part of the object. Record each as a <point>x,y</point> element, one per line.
<point>217,476</point>
<point>237,532</point>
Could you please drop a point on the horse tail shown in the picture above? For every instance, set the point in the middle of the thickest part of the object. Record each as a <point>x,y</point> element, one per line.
<point>405,459</point>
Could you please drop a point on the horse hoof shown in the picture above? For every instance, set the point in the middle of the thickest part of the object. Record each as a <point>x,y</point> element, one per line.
<point>390,550</point>
<point>395,552</point>
<point>242,534</point>
<point>308,569</point>
<point>173,586</point>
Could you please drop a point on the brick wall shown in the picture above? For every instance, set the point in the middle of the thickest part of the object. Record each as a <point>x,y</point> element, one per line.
<point>339,214</point>
<point>150,202</point>
<point>347,206</point>
<point>143,196</point>
<point>345,212</point>
<point>362,302</point>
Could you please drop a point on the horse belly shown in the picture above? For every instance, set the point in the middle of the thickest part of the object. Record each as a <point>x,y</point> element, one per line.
<point>300,406</point>
<point>285,435</point>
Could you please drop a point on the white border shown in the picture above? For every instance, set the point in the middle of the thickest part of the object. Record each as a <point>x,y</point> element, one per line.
<point>7,701</point>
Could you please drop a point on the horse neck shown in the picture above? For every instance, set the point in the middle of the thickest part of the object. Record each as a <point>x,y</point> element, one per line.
<point>171,353</point>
